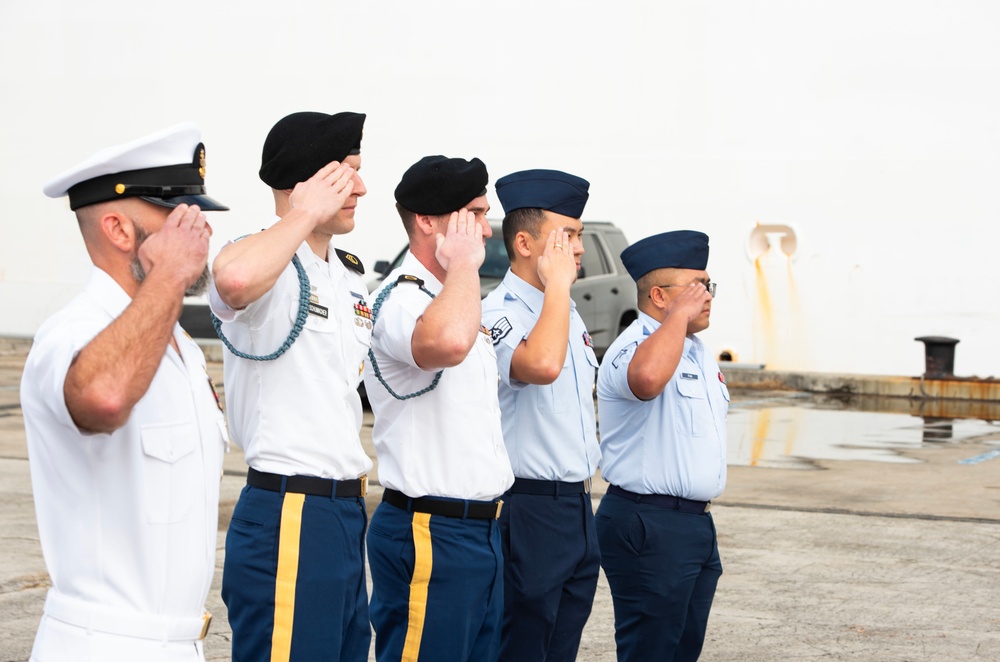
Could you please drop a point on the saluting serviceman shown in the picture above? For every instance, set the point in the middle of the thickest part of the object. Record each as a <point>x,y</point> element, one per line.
<point>547,372</point>
<point>434,543</point>
<point>293,313</point>
<point>125,433</point>
<point>663,403</point>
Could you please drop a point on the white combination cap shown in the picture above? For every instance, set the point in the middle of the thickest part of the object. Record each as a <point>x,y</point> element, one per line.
<point>166,168</point>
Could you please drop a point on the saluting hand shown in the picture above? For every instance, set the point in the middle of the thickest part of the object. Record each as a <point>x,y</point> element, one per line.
<point>180,247</point>
<point>690,302</point>
<point>324,194</point>
<point>557,265</point>
<point>463,245</point>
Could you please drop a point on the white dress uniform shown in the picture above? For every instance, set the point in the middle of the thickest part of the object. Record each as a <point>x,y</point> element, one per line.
<point>550,430</point>
<point>674,444</point>
<point>127,520</point>
<point>319,436</point>
<point>447,442</point>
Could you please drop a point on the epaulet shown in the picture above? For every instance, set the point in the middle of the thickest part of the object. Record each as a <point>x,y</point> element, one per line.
<point>410,279</point>
<point>350,261</point>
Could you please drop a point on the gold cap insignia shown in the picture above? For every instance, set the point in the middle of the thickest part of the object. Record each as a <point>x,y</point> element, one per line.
<point>201,163</point>
<point>119,188</point>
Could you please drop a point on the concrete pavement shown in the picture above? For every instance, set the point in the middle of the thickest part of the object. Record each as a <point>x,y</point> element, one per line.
<point>846,560</point>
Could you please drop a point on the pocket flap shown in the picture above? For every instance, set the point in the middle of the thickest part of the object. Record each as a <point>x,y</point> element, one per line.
<point>691,388</point>
<point>168,442</point>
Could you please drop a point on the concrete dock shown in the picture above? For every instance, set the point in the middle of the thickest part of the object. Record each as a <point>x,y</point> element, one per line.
<point>844,560</point>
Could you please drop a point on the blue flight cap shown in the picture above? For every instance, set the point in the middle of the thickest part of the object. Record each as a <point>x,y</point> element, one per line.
<point>552,190</point>
<point>680,249</point>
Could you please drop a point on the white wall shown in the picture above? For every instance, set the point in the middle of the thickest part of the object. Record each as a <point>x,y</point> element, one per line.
<point>869,126</point>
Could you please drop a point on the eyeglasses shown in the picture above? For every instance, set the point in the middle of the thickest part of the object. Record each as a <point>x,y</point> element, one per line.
<point>708,286</point>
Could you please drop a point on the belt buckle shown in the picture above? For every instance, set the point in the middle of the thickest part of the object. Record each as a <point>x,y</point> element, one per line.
<point>364,485</point>
<point>499,508</point>
<point>708,506</point>
<point>206,623</point>
<point>587,485</point>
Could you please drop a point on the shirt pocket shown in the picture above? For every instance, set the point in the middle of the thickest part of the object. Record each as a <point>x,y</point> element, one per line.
<point>320,340</point>
<point>693,414</point>
<point>173,472</point>
<point>471,379</point>
<point>561,395</point>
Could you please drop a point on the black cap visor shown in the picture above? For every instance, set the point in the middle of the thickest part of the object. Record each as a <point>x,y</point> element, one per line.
<point>203,201</point>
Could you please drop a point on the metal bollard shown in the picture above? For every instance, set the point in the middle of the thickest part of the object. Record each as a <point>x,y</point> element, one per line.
<point>939,356</point>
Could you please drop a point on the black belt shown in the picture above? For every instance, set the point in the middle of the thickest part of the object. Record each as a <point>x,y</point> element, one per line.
<point>467,509</point>
<point>312,485</point>
<point>663,501</point>
<point>548,487</point>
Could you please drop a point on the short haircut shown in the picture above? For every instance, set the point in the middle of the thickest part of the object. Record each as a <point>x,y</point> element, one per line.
<point>526,219</point>
<point>408,218</point>
<point>654,278</point>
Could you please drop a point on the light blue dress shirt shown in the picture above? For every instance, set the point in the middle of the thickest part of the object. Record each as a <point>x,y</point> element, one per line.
<point>550,430</point>
<point>675,443</point>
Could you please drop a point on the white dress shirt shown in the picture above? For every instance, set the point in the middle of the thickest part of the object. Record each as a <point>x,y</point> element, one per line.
<point>447,442</point>
<point>300,414</point>
<point>128,520</point>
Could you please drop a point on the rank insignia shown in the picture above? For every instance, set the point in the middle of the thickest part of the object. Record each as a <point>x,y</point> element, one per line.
<point>500,330</point>
<point>587,340</point>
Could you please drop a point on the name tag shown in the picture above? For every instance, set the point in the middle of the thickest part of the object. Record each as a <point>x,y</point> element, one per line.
<point>688,375</point>
<point>321,311</point>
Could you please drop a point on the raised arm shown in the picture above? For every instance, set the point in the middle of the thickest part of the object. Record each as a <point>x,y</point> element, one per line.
<point>539,358</point>
<point>245,270</point>
<point>447,331</point>
<point>656,359</point>
<point>114,370</point>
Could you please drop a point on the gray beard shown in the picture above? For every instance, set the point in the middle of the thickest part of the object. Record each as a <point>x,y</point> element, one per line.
<point>196,288</point>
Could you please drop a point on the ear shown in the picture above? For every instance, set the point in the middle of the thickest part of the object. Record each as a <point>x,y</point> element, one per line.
<point>657,297</point>
<point>119,231</point>
<point>522,243</point>
<point>424,224</point>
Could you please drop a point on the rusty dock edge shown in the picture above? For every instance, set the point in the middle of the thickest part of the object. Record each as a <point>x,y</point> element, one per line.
<point>913,388</point>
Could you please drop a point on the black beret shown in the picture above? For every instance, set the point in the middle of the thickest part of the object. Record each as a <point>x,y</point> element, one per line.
<point>302,143</point>
<point>437,185</point>
<point>681,249</point>
<point>552,190</point>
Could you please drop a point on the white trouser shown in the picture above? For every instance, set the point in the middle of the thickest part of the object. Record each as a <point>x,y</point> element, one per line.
<point>74,630</point>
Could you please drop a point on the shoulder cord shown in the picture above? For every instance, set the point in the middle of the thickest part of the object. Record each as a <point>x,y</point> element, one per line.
<point>371,354</point>
<point>300,320</point>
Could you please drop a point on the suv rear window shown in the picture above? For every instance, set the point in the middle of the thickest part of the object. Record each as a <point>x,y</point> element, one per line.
<point>593,262</point>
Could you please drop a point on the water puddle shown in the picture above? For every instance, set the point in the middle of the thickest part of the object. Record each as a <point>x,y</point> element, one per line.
<point>791,431</point>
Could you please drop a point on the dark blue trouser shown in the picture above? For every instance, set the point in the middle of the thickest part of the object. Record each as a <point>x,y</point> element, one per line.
<point>551,564</point>
<point>437,587</point>
<point>662,567</point>
<point>294,578</point>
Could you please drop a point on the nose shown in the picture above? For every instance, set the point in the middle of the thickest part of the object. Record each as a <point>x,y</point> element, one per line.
<point>578,248</point>
<point>359,185</point>
<point>487,230</point>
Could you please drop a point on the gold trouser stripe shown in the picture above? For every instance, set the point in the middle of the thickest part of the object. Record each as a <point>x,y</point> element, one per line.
<point>422,562</point>
<point>288,573</point>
